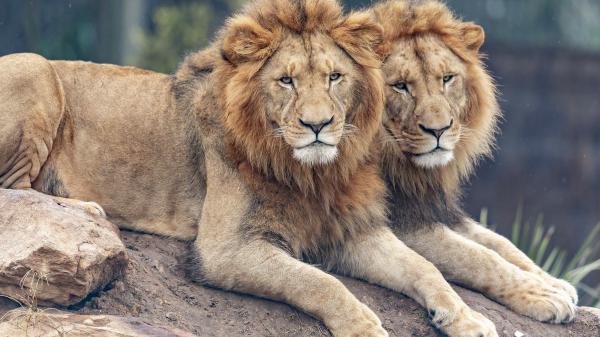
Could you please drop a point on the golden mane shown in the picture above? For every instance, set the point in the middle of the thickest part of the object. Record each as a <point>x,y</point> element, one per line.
<point>405,19</point>
<point>246,43</point>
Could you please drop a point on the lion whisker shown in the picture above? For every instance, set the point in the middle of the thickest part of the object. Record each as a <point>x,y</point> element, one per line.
<point>279,132</point>
<point>348,130</point>
<point>466,134</point>
<point>388,138</point>
<point>350,127</point>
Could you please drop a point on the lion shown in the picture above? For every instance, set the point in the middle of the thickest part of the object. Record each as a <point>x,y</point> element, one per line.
<point>264,153</point>
<point>440,119</point>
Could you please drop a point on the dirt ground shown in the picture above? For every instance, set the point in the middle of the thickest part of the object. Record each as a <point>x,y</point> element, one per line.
<point>157,290</point>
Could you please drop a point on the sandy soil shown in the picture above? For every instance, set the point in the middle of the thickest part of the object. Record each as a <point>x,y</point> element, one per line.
<point>157,290</point>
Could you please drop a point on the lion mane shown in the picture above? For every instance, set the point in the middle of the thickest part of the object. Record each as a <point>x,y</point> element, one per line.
<point>236,57</point>
<point>433,195</point>
<point>346,187</point>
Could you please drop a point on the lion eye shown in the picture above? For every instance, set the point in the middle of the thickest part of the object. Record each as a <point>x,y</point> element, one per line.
<point>447,78</point>
<point>335,77</point>
<point>400,87</point>
<point>286,80</point>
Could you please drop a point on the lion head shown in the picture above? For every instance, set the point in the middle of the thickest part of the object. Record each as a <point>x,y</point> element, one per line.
<point>301,84</point>
<point>441,109</point>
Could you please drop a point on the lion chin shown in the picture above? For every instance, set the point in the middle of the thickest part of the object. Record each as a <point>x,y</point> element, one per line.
<point>433,159</point>
<point>317,154</point>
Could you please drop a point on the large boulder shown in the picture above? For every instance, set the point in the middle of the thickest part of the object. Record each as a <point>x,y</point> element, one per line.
<point>57,324</point>
<point>52,253</point>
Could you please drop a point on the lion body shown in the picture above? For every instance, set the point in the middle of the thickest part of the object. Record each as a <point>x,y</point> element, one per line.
<point>175,156</point>
<point>440,120</point>
<point>101,133</point>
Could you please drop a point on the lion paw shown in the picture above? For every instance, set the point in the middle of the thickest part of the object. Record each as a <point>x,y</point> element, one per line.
<point>448,313</point>
<point>443,308</point>
<point>364,324</point>
<point>540,300</point>
<point>565,287</point>
<point>469,323</point>
<point>89,207</point>
<point>93,208</point>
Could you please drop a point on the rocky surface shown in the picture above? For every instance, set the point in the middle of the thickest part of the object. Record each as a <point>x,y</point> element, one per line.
<point>155,289</point>
<point>50,324</point>
<point>155,292</point>
<point>54,254</point>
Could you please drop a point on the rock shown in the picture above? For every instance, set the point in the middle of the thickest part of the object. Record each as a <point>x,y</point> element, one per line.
<point>209,312</point>
<point>43,324</point>
<point>169,298</point>
<point>171,316</point>
<point>593,311</point>
<point>54,254</point>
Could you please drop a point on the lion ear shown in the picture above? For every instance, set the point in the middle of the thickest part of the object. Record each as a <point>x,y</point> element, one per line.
<point>473,36</point>
<point>246,40</point>
<point>360,37</point>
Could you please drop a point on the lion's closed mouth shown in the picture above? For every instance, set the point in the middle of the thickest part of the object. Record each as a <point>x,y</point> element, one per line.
<point>315,143</point>
<point>436,150</point>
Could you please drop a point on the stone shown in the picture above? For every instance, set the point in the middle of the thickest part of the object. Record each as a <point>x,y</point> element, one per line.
<point>56,323</point>
<point>52,253</point>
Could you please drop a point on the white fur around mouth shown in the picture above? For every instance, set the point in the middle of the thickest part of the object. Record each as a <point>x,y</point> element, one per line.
<point>433,159</point>
<point>316,154</point>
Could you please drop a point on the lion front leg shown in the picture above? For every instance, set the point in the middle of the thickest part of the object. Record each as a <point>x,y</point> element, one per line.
<point>501,245</point>
<point>381,258</point>
<point>467,262</point>
<point>262,269</point>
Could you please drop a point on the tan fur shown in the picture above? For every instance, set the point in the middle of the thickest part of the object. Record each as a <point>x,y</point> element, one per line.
<point>101,133</point>
<point>423,43</point>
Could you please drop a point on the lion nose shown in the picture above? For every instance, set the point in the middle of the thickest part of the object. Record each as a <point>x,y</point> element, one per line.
<point>437,133</point>
<point>316,126</point>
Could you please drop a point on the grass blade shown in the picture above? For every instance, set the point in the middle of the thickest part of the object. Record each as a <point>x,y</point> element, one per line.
<point>587,247</point>
<point>516,226</point>
<point>578,274</point>
<point>557,269</point>
<point>544,245</point>
<point>483,217</point>
<point>550,260</point>
<point>537,234</point>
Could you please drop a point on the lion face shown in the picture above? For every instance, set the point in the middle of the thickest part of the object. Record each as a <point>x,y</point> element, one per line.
<point>303,84</point>
<point>310,85</point>
<point>441,110</point>
<point>426,98</point>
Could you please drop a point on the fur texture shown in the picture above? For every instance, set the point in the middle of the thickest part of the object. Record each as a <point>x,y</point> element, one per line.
<point>101,133</point>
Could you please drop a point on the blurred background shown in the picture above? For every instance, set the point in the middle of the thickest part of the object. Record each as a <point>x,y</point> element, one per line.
<point>542,189</point>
